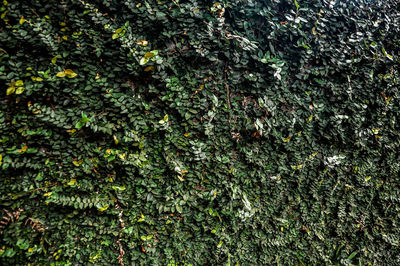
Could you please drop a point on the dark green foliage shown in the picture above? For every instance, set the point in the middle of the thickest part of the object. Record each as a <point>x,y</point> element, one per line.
<point>196,132</point>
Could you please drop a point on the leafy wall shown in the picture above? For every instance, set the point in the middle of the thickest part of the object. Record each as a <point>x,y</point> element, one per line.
<point>198,132</point>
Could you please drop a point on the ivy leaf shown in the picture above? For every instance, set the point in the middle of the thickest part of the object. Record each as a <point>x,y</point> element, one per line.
<point>19,90</point>
<point>143,43</point>
<point>143,60</point>
<point>149,68</point>
<point>79,125</point>
<point>54,59</point>
<point>61,74</point>
<point>10,90</point>
<point>103,208</point>
<point>77,163</point>
<point>164,120</point>
<point>38,79</point>
<point>149,55</point>
<point>72,182</point>
<point>296,4</point>
<point>70,73</point>
<point>287,139</point>
<point>145,238</point>
<point>116,188</point>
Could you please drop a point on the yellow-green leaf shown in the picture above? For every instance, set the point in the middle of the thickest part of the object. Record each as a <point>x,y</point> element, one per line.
<point>376,130</point>
<point>10,90</point>
<point>143,61</point>
<point>54,59</point>
<point>61,74</point>
<point>22,20</point>
<point>69,71</point>
<point>38,79</point>
<point>72,182</point>
<point>4,14</point>
<point>103,208</point>
<point>117,188</point>
<point>115,36</point>
<point>287,139</point>
<point>19,83</point>
<point>19,90</point>
<point>299,166</point>
<point>1,159</point>
<point>220,244</point>
<point>141,219</point>
<point>77,163</point>
<point>118,30</point>
<point>73,75</point>
<point>115,139</point>
<point>296,4</point>
<point>165,119</point>
<point>149,55</point>
<point>144,238</point>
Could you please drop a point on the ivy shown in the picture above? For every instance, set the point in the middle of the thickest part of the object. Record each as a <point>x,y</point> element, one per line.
<point>199,132</point>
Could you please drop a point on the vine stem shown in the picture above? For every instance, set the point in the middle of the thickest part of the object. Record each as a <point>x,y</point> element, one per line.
<point>122,223</point>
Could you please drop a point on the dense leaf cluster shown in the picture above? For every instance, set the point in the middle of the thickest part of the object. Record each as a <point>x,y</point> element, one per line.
<point>197,132</point>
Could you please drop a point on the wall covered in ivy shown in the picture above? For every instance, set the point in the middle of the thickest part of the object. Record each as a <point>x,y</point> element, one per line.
<point>199,133</point>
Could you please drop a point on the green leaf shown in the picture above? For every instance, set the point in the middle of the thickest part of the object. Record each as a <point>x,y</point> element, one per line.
<point>352,255</point>
<point>116,188</point>
<point>79,125</point>
<point>296,4</point>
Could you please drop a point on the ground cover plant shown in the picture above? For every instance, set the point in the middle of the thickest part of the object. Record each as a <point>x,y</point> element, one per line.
<point>199,132</point>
